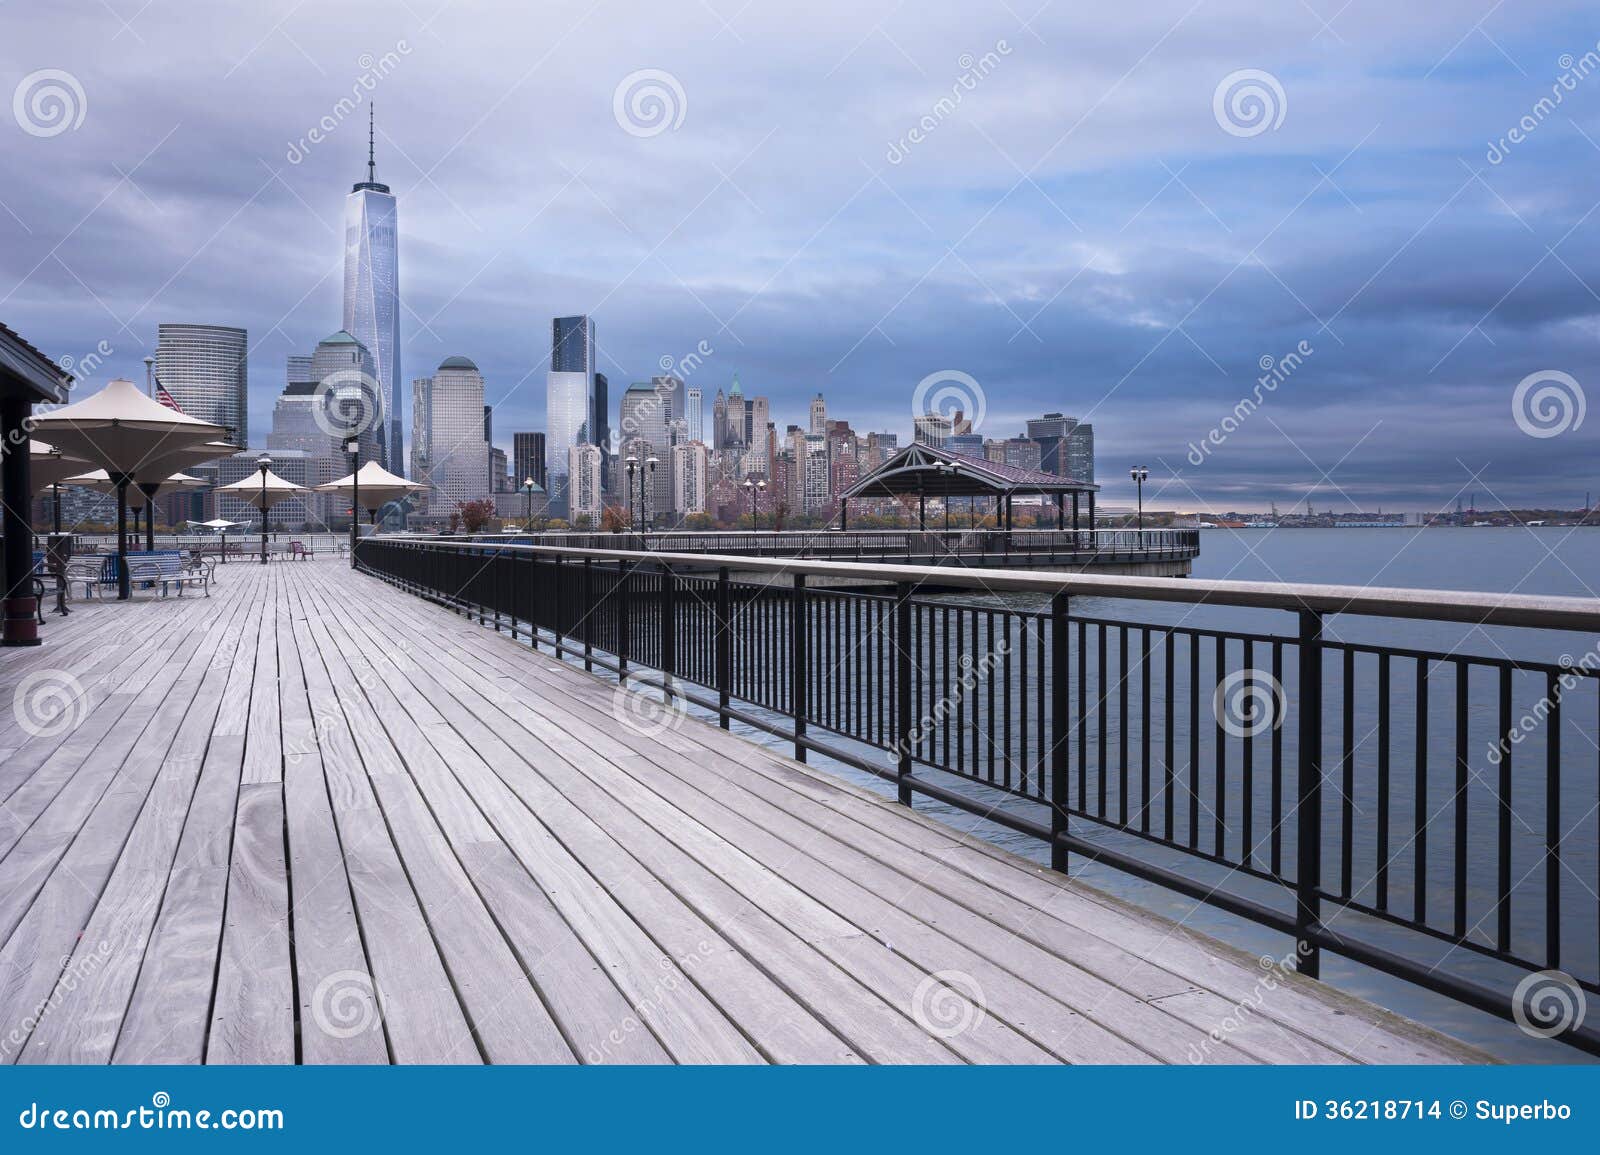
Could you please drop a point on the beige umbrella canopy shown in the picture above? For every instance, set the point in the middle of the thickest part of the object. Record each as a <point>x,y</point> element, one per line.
<point>122,430</point>
<point>262,490</point>
<point>140,496</point>
<point>99,479</point>
<point>47,465</point>
<point>373,485</point>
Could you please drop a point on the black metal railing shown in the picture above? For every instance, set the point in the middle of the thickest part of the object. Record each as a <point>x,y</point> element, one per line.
<point>928,547</point>
<point>1419,809</point>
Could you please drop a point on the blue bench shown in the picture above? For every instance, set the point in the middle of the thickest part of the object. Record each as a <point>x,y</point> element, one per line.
<point>94,572</point>
<point>165,568</point>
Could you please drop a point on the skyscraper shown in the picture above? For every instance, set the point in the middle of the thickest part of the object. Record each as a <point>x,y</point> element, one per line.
<point>1080,453</point>
<point>600,427</point>
<point>372,295</point>
<point>457,455</point>
<point>1051,432</point>
<point>588,498</point>
<point>645,412</point>
<point>527,457</point>
<point>694,414</point>
<point>345,395</point>
<point>205,369</point>
<point>569,401</point>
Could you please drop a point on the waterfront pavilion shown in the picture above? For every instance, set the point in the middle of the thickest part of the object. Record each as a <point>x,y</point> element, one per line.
<point>924,471</point>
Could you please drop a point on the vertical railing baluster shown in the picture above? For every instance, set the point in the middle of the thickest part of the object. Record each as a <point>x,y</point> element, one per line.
<point>588,614</point>
<point>557,570</point>
<point>798,684</point>
<point>1552,822</point>
<point>1419,827</point>
<point>624,626</point>
<point>903,711</point>
<point>1308,873</point>
<point>1060,623</point>
<point>1347,803</point>
<point>724,647</point>
<point>667,651</point>
<point>1463,673</point>
<point>1502,936</point>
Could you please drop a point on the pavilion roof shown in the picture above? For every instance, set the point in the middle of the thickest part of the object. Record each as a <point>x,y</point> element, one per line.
<point>937,472</point>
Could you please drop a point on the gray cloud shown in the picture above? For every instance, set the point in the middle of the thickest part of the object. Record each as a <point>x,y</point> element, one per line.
<point>1049,234</point>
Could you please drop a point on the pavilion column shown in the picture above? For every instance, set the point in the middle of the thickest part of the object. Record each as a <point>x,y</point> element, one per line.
<point>1061,513</point>
<point>21,628</point>
<point>844,514</point>
<point>1091,513</point>
<point>1008,513</point>
<point>922,511</point>
<point>1074,512</point>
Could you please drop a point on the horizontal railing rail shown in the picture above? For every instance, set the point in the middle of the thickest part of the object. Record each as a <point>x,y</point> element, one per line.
<point>1414,807</point>
<point>1061,544</point>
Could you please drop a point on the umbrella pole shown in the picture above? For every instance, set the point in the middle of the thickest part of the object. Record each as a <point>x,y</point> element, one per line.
<point>124,586</point>
<point>149,492</point>
<point>57,488</point>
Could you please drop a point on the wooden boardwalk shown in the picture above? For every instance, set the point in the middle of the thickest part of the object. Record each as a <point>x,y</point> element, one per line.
<point>312,818</point>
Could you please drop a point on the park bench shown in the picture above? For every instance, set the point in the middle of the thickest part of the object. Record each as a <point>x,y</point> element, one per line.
<point>166,569</point>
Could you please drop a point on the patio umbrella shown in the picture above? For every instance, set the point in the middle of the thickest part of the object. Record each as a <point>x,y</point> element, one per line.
<point>123,430</point>
<point>47,465</point>
<point>142,494</point>
<point>371,487</point>
<point>222,525</point>
<point>262,490</point>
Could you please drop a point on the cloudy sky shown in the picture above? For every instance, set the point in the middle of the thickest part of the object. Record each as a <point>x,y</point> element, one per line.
<point>1117,211</point>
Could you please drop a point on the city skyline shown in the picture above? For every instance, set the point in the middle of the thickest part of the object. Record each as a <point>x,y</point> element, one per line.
<point>1137,261</point>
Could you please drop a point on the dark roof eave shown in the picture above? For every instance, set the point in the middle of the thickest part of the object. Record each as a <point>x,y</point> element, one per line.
<point>41,379</point>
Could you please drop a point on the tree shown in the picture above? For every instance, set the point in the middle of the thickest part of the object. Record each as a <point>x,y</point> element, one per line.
<point>612,520</point>
<point>474,514</point>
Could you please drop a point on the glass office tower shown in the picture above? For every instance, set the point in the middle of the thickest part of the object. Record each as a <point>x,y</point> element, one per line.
<point>372,297</point>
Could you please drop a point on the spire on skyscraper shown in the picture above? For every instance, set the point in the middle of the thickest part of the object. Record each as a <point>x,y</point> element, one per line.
<point>372,163</point>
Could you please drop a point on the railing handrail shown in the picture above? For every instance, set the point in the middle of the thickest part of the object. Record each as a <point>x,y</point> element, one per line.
<point>1474,607</point>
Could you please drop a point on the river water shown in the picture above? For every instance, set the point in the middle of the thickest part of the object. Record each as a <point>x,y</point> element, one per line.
<point>1548,561</point>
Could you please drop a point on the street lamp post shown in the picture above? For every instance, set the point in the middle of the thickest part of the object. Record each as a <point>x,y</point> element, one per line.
<point>650,469</point>
<point>352,446</point>
<point>527,505</point>
<point>1140,475</point>
<point>264,463</point>
<point>754,490</point>
<point>632,464</point>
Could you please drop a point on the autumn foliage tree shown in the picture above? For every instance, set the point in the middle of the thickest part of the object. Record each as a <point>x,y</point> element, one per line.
<point>475,514</point>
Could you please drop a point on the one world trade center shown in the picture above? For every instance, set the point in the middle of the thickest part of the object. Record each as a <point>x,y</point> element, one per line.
<point>372,296</point>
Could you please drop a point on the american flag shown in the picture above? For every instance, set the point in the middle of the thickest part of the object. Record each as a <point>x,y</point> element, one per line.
<point>166,398</point>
